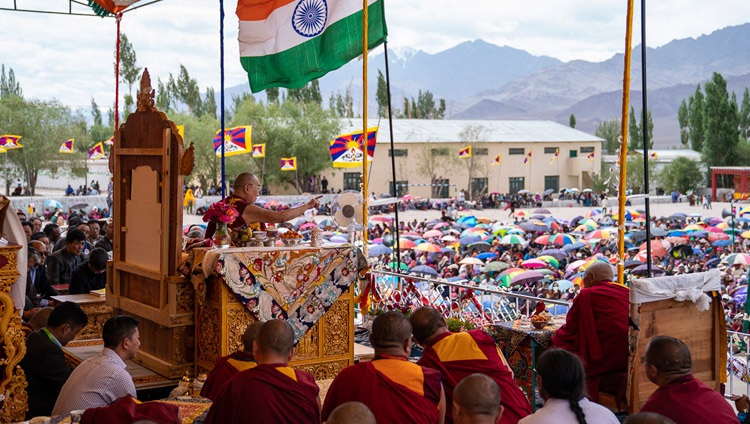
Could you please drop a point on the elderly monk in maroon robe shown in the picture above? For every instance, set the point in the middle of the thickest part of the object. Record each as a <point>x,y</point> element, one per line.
<point>458,355</point>
<point>227,366</point>
<point>395,390</point>
<point>596,328</point>
<point>680,396</point>
<point>272,392</point>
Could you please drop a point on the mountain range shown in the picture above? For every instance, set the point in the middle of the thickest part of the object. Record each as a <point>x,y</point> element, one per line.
<point>480,80</point>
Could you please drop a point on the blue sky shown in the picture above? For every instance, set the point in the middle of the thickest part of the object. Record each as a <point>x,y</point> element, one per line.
<point>71,58</point>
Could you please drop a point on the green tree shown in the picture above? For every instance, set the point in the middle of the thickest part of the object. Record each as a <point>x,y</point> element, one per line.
<point>310,93</point>
<point>634,132</point>
<point>635,171</point>
<point>720,124</point>
<point>610,132</point>
<point>130,72</point>
<point>200,131</point>
<point>342,106</point>
<point>695,108</point>
<point>8,84</point>
<point>272,94</point>
<point>683,117</point>
<point>209,104</point>
<point>604,182</point>
<point>186,90</point>
<point>98,131</point>
<point>164,97</point>
<point>381,94</point>
<point>682,175</point>
<point>745,115</point>
<point>572,121</point>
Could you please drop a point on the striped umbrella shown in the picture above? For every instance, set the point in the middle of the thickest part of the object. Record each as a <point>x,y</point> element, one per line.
<point>428,247</point>
<point>599,234</point>
<point>738,258</point>
<point>512,239</point>
<point>550,260</point>
<point>543,240</point>
<point>562,239</point>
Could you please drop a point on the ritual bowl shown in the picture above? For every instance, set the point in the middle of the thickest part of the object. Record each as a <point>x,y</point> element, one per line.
<point>539,325</point>
<point>292,241</point>
<point>259,234</point>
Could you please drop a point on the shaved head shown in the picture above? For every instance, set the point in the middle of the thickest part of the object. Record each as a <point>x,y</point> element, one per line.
<point>648,418</point>
<point>476,395</point>
<point>390,330</point>
<point>242,179</point>
<point>275,337</point>
<point>425,322</point>
<point>669,356</point>
<point>597,272</point>
<point>251,333</point>
<point>351,413</point>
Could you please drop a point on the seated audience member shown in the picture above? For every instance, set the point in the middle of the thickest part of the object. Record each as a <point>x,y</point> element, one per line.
<point>38,273</point>
<point>648,418</point>
<point>31,304</point>
<point>228,366</point>
<point>351,413</point>
<point>271,392</point>
<point>61,264</point>
<point>44,363</point>
<point>457,355</point>
<point>396,390</point>
<point>94,228</point>
<point>476,400</point>
<point>40,318</point>
<point>53,234</point>
<point>102,379</point>
<point>90,275</point>
<point>562,385</point>
<point>596,328</point>
<point>106,241</point>
<point>680,396</point>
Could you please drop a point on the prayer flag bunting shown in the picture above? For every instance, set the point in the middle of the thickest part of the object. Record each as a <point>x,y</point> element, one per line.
<point>10,141</point>
<point>97,152</point>
<point>497,160</point>
<point>67,146</point>
<point>259,150</point>
<point>465,152</point>
<point>527,159</point>
<point>555,156</point>
<point>289,164</point>
<point>308,38</point>
<point>236,141</point>
<point>346,149</point>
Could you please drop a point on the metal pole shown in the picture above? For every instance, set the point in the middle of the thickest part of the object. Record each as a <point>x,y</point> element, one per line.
<point>393,157</point>
<point>365,157</point>
<point>644,117</point>
<point>221,66</point>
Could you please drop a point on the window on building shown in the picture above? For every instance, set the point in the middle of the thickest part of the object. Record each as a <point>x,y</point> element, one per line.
<point>516,184</point>
<point>441,188</point>
<point>573,153</point>
<point>516,151</point>
<point>398,152</point>
<point>552,182</point>
<point>478,187</point>
<point>352,181</point>
<point>402,187</point>
<point>442,151</point>
<point>550,150</point>
<point>481,151</point>
<point>587,149</point>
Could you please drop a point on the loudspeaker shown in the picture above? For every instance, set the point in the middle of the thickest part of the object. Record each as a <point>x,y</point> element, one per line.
<point>725,213</point>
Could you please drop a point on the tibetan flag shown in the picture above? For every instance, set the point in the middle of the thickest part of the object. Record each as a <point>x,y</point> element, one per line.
<point>527,159</point>
<point>465,152</point>
<point>97,152</point>
<point>110,141</point>
<point>67,146</point>
<point>289,164</point>
<point>346,149</point>
<point>237,141</point>
<point>653,156</point>
<point>590,157</point>
<point>497,160</point>
<point>10,141</point>
<point>555,156</point>
<point>287,43</point>
<point>181,131</point>
<point>259,150</point>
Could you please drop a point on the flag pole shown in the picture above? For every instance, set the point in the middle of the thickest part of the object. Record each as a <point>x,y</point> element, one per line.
<point>365,157</point>
<point>393,157</point>
<point>221,67</point>
<point>624,148</point>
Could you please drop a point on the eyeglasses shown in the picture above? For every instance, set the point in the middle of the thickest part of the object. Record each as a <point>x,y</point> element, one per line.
<point>255,185</point>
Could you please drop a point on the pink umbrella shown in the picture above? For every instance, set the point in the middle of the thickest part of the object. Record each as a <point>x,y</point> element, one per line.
<point>533,264</point>
<point>441,225</point>
<point>432,233</point>
<point>381,218</point>
<point>307,225</point>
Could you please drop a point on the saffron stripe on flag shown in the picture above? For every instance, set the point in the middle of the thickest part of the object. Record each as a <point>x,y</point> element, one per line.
<point>259,10</point>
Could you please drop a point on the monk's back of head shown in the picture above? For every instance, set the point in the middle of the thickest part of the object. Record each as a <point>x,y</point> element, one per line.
<point>597,272</point>
<point>275,338</point>
<point>351,413</point>
<point>390,330</point>
<point>476,398</point>
<point>669,355</point>
<point>425,322</point>
<point>648,418</point>
<point>251,333</point>
<point>242,179</point>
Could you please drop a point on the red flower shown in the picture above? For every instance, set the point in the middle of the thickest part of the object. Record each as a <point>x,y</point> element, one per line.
<point>221,212</point>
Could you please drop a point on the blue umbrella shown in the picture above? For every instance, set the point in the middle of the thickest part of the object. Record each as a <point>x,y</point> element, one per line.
<point>712,263</point>
<point>555,253</point>
<point>448,249</point>
<point>338,239</point>
<point>698,234</point>
<point>469,220</point>
<point>52,203</point>
<point>676,233</point>
<point>469,240</point>
<point>562,285</point>
<point>740,295</point>
<point>424,269</point>
<point>486,255</point>
<point>378,249</point>
<point>574,246</point>
<point>722,243</point>
<point>558,309</point>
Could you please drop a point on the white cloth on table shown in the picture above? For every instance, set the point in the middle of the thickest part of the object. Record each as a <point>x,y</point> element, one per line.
<point>97,381</point>
<point>678,287</point>
<point>558,411</point>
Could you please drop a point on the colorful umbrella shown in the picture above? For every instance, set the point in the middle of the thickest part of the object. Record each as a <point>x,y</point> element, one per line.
<point>738,258</point>
<point>526,277</point>
<point>533,264</point>
<point>432,233</point>
<point>549,260</point>
<point>401,265</point>
<point>428,247</point>
<point>599,234</point>
<point>543,240</point>
<point>512,239</point>
<point>405,243</point>
<point>562,239</point>
<point>657,248</point>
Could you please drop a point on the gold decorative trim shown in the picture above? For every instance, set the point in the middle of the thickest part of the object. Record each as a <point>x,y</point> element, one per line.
<point>324,370</point>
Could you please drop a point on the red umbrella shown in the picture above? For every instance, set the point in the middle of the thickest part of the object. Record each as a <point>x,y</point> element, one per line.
<point>543,239</point>
<point>718,236</point>
<point>657,248</point>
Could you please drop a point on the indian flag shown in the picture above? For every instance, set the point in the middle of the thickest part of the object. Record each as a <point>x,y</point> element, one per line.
<point>287,43</point>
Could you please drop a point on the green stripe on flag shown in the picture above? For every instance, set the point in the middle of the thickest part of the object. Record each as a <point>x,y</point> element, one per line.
<point>334,48</point>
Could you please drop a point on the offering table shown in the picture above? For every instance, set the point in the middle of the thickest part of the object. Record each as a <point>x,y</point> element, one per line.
<point>309,287</point>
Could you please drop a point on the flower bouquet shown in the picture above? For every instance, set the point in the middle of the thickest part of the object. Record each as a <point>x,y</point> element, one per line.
<point>222,214</point>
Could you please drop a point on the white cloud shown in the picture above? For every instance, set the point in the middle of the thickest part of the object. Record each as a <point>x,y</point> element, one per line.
<point>71,58</point>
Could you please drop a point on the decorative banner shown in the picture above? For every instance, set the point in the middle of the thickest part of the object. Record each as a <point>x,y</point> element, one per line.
<point>181,131</point>
<point>97,152</point>
<point>110,141</point>
<point>465,152</point>
<point>497,160</point>
<point>653,156</point>
<point>527,159</point>
<point>590,157</point>
<point>259,150</point>
<point>67,146</point>
<point>555,156</point>
<point>346,149</point>
<point>10,141</point>
<point>236,141</point>
<point>101,7</point>
<point>289,164</point>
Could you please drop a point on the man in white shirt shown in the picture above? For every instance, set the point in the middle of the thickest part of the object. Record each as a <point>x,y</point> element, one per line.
<point>102,379</point>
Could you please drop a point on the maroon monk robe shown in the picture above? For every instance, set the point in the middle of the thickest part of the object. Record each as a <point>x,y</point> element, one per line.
<point>268,393</point>
<point>458,355</point>
<point>224,369</point>
<point>596,329</point>
<point>240,205</point>
<point>127,410</point>
<point>395,390</point>
<point>688,400</point>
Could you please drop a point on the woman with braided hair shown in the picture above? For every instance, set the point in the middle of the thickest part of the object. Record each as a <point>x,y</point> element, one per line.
<point>562,384</point>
